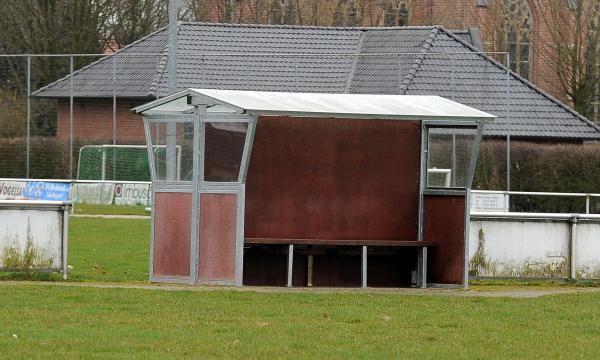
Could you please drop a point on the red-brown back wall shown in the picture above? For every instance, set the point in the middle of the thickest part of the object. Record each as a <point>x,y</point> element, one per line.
<point>317,178</point>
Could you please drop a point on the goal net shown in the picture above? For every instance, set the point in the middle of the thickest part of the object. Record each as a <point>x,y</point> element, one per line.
<point>118,162</point>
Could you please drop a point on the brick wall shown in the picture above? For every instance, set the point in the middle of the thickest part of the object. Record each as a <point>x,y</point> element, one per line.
<point>93,120</point>
<point>462,14</point>
<point>452,14</point>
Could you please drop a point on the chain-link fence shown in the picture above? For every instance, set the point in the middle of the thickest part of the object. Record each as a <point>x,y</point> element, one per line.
<point>52,106</point>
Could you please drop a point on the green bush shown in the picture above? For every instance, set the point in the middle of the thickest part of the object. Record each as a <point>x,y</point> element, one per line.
<point>541,167</point>
<point>48,158</point>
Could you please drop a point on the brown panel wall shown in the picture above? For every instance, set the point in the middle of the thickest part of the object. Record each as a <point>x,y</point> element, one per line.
<point>172,234</point>
<point>444,224</point>
<point>333,179</point>
<point>218,213</point>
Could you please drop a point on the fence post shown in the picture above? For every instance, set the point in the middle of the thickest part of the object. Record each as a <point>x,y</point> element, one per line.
<point>399,73</point>
<point>508,162</point>
<point>71,117</point>
<point>453,79</point>
<point>295,74</point>
<point>572,242</point>
<point>453,160</point>
<point>28,112</point>
<point>65,242</point>
<point>114,114</point>
<point>587,203</point>
<point>508,102</point>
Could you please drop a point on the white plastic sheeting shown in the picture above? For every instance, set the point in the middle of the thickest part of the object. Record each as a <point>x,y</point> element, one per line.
<point>398,107</point>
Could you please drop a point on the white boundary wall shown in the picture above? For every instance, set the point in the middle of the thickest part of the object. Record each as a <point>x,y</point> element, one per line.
<point>34,235</point>
<point>534,245</point>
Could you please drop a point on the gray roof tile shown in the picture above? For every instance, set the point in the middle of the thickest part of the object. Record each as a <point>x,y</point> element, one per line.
<point>405,60</point>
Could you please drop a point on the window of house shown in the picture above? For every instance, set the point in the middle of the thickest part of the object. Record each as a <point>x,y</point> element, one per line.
<point>403,14</point>
<point>396,14</point>
<point>482,3</point>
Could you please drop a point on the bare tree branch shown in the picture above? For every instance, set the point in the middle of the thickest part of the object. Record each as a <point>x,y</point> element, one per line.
<point>574,54</point>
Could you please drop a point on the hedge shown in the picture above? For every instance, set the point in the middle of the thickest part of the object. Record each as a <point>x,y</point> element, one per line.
<point>49,157</point>
<point>541,167</point>
<point>534,167</point>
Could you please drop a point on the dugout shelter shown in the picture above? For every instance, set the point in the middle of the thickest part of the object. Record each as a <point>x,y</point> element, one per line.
<point>310,189</point>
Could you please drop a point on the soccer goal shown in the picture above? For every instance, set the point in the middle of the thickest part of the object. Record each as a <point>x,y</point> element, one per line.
<point>119,162</point>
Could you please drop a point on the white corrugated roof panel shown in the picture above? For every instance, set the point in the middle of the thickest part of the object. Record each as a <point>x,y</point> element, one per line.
<point>399,107</point>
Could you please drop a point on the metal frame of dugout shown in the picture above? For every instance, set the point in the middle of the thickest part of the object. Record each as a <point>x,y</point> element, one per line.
<point>304,189</point>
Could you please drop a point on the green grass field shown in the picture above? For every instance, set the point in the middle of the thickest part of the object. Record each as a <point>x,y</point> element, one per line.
<point>69,322</point>
<point>113,250</point>
<point>56,321</point>
<point>87,209</point>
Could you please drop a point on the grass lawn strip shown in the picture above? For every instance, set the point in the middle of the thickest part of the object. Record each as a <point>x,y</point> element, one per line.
<point>113,250</point>
<point>94,209</point>
<point>84,318</point>
<point>58,322</point>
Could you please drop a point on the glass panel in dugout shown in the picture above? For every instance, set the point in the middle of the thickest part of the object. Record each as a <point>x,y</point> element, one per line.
<point>224,146</point>
<point>449,156</point>
<point>172,147</point>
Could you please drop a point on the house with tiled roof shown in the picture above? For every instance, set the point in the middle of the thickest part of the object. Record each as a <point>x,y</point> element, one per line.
<point>398,60</point>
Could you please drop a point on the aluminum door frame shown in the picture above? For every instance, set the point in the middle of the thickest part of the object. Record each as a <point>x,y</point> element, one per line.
<point>200,186</point>
<point>162,186</point>
<point>465,191</point>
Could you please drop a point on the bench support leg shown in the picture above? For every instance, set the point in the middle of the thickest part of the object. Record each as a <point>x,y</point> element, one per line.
<point>423,267</point>
<point>363,273</point>
<point>290,264</point>
<point>309,275</point>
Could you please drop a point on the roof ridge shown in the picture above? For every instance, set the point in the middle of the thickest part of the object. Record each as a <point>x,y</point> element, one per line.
<point>160,70</point>
<point>320,27</point>
<point>408,79</point>
<point>124,48</point>
<point>520,78</point>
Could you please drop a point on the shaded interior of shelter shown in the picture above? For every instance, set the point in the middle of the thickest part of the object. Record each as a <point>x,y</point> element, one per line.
<point>331,179</point>
<point>329,266</point>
